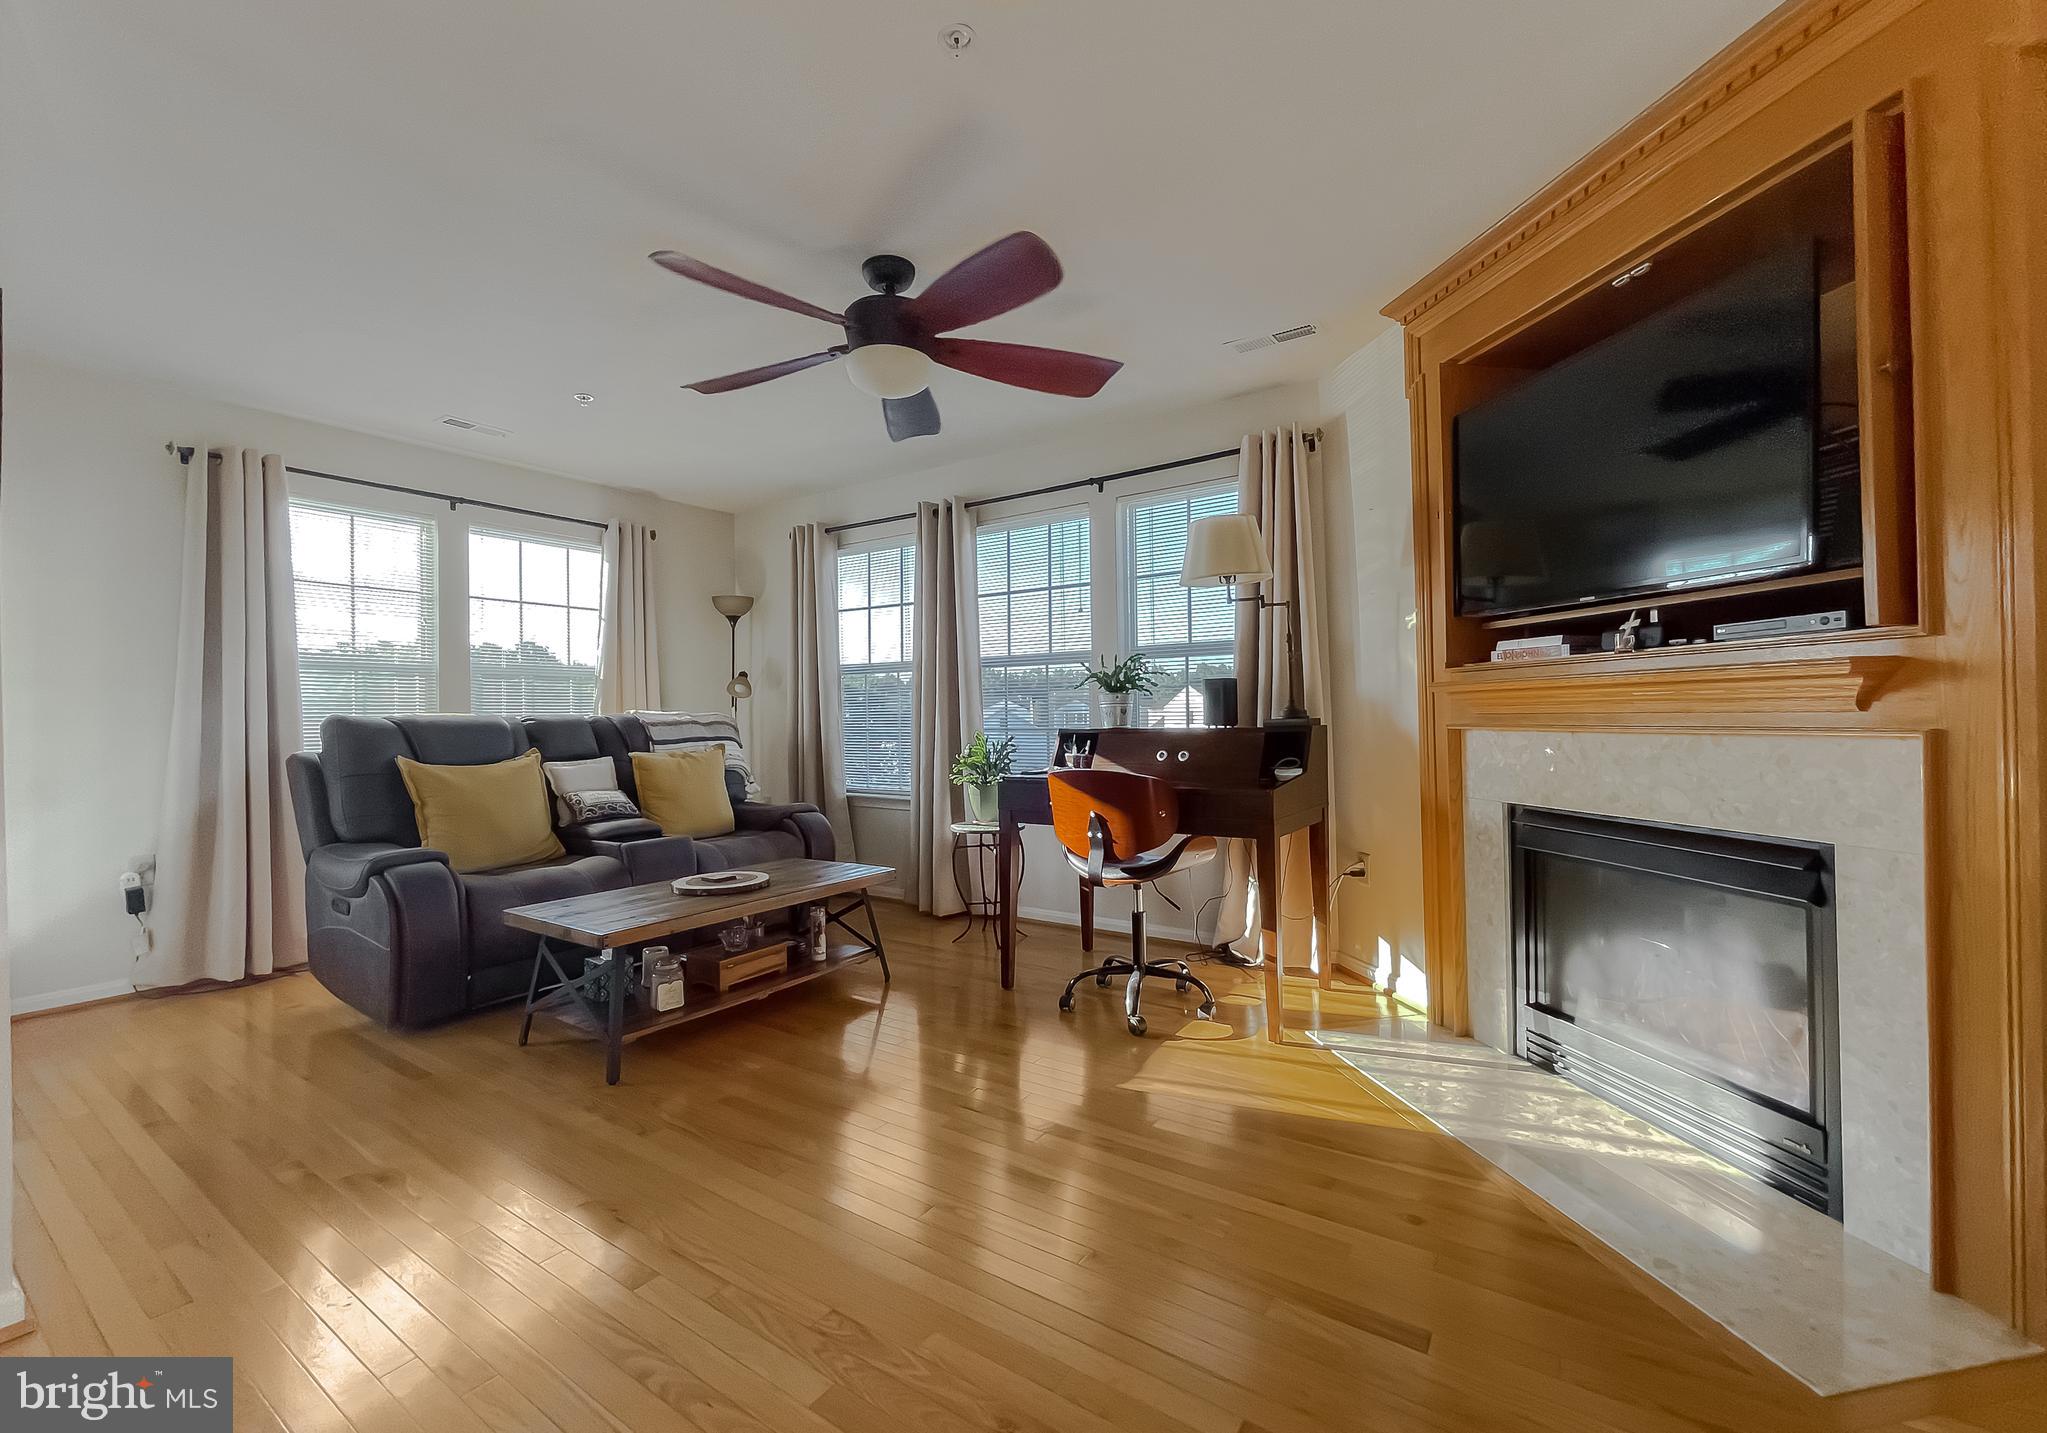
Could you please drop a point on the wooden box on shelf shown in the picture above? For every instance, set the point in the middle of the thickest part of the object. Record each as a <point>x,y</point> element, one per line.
<point>713,966</point>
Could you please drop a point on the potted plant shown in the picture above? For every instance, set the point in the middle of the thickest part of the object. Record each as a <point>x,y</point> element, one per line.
<point>1120,682</point>
<point>979,768</point>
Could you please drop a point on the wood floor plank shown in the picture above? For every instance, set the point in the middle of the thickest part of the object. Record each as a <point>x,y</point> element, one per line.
<point>842,1210</point>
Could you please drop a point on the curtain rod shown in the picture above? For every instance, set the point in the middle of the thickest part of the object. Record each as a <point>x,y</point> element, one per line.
<point>1313,437</point>
<point>185,456</point>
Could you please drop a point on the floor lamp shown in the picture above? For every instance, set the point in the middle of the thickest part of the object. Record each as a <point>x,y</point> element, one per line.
<point>1223,551</point>
<point>732,606</point>
<point>1227,550</point>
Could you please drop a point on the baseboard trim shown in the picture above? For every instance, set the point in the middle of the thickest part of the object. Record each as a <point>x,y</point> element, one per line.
<point>1116,925</point>
<point>56,1000</point>
<point>17,1319</point>
<point>1362,969</point>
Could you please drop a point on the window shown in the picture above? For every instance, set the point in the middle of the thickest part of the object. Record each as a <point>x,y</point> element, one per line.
<point>1037,630</point>
<point>1188,632</point>
<point>877,631</point>
<point>364,588</point>
<point>534,625</point>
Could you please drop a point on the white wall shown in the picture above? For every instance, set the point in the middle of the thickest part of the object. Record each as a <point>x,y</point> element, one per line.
<point>90,539</point>
<point>1369,556</point>
<point>12,1306</point>
<point>881,829</point>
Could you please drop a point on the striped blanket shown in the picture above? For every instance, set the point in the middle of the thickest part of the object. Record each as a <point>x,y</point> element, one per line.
<point>670,731</point>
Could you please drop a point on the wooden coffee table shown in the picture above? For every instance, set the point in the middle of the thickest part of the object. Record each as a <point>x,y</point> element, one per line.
<point>617,923</point>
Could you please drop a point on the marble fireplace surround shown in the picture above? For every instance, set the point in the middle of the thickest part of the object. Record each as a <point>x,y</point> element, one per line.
<point>1864,795</point>
<point>1840,1308</point>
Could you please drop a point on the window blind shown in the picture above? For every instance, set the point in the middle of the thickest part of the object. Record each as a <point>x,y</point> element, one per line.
<point>1188,632</point>
<point>877,634</point>
<point>1036,600</point>
<point>365,596</point>
<point>535,623</point>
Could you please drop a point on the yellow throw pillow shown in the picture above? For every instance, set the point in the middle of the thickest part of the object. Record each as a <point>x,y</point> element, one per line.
<point>684,791</point>
<point>483,817</point>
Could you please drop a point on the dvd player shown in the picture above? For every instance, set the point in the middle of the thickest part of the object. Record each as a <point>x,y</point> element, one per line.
<point>1781,626</point>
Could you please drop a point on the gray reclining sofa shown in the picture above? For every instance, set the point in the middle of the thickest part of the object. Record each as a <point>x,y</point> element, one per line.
<point>395,932</point>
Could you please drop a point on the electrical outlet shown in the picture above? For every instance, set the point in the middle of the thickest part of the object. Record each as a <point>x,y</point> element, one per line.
<point>141,941</point>
<point>1360,868</point>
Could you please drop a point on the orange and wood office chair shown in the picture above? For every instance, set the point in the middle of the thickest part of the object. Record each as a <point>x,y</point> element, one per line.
<point>1121,829</point>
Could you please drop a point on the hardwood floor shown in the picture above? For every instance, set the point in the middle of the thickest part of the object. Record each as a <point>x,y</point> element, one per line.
<point>947,1209</point>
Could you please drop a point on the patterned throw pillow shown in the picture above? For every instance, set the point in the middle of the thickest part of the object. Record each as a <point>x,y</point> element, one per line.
<point>596,780</point>
<point>587,806</point>
<point>679,731</point>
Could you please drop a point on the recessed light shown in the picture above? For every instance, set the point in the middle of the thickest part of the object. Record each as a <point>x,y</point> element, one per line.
<point>586,399</point>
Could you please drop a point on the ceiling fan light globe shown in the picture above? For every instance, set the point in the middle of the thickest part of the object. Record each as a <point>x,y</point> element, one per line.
<point>889,370</point>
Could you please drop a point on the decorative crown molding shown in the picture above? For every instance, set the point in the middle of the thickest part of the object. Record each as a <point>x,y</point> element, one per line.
<point>1740,66</point>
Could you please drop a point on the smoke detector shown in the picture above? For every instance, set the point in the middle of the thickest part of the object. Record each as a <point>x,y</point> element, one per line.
<point>449,420</point>
<point>955,38</point>
<point>1267,340</point>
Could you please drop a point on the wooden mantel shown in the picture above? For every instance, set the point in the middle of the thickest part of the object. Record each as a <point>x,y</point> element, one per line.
<point>1952,95</point>
<point>1622,692</point>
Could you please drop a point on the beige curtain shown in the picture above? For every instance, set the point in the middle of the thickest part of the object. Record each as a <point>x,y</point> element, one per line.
<point>816,758</point>
<point>1279,483</point>
<point>229,879</point>
<point>629,669</point>
<point>943,694</point>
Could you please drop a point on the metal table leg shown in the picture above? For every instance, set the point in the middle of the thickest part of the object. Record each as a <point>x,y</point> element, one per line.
<point>614,1025</point>
<point>962,853</point>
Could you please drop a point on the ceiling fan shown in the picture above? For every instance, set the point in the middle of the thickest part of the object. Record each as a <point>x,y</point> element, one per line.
<point>892,340</point>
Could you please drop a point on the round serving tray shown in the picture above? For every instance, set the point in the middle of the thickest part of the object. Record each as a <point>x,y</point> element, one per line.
<point>720,883</point>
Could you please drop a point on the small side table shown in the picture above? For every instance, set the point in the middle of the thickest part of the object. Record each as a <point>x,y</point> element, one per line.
<point>974,845</point>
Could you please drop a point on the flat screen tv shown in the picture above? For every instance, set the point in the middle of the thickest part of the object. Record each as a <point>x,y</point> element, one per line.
<point>1678,453</point>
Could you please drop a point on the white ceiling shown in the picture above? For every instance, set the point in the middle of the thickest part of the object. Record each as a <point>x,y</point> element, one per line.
<point>377,212</point>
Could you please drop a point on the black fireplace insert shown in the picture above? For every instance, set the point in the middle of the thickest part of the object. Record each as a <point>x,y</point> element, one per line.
<point>1687,975</point>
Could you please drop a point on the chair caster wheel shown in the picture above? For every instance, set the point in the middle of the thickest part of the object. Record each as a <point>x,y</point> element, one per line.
<point>1066,1004</point>
<point>1101,981</point>
<point>1206,1012</point>
<point>1180,985</point>
<point>1136,1024</point>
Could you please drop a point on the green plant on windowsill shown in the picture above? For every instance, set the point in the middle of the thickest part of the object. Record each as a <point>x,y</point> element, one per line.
<point>980,769</point>
<point>1120,683</point>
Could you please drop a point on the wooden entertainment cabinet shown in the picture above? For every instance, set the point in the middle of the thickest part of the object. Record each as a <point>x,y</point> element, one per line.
<point>1907,140</point>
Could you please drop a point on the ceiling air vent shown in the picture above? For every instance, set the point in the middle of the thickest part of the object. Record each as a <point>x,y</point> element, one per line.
<point>1267,340</point>
<point>449,420</point>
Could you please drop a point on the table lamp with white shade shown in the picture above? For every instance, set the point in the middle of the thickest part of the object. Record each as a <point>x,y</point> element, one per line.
<point>1223,551</point>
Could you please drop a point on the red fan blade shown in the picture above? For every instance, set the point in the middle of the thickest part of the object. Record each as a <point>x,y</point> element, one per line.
<point>1049,370</point>
<point>761,375</point>
<point>703,273</point>
<point>1008,274</point>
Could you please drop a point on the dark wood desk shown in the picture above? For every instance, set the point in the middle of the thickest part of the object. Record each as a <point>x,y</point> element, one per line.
<point>1227,786</point>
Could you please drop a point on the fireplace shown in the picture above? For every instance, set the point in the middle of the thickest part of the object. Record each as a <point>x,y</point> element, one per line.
<point>1687,975</point>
